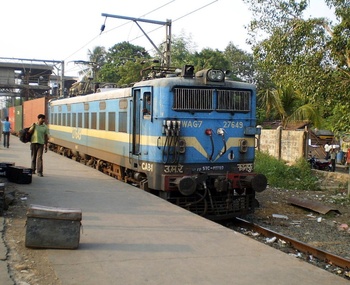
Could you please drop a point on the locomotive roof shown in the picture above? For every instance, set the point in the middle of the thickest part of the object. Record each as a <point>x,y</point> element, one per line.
<point>114,93</point>
<point>159,82</point>
<point>183,81</point>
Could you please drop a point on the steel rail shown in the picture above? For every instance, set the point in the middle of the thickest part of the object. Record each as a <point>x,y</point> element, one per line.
<point>303,247</point>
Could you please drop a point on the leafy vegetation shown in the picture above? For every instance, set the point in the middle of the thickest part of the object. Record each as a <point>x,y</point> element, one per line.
<point>311,55</point>
<point>124,63</point>
<point>298,176</point>
<point>289,106</point>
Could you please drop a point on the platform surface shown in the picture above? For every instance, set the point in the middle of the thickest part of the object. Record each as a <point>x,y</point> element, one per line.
<point>132,237</point>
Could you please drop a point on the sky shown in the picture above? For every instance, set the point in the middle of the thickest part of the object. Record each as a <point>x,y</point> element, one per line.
<point>65,30</point>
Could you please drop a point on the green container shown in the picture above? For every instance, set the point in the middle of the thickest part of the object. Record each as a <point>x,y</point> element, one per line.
<point>18,124</point>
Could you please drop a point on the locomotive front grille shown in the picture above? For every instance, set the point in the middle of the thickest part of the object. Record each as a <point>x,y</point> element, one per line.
<point>190,99</point>
<point>233,100</point>
<point>187,99</point>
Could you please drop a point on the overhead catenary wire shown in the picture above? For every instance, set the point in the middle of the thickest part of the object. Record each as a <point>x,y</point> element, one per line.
<point>190,13</point>
<point>160,7</point>
<point>151,31</point>
<point>155,29</point>
<point>119,26</point>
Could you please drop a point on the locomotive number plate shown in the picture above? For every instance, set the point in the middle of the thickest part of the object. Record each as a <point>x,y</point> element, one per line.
<point>233,125</point>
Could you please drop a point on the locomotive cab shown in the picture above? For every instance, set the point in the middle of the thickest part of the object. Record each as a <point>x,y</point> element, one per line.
<point>204,130</point>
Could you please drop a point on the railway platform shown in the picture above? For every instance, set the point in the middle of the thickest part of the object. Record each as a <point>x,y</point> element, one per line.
<point>132,237</point>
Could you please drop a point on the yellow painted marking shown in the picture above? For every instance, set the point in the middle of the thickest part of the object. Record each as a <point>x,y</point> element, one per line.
<point>152,140</point>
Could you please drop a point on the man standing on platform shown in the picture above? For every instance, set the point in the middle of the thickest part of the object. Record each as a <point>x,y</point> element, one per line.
<point>39,140</point>
<point>6,126</point>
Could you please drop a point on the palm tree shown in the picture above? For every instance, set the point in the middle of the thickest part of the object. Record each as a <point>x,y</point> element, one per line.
<point>97,58</point>
<point>290,106</point>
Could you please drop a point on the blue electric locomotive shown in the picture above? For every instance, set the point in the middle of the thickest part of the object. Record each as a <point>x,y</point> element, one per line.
<point>189,137</point>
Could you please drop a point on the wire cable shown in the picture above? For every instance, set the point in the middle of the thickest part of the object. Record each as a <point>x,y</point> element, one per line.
<point>196,10</point>
<point>114,29</point>
<point>140,16</point>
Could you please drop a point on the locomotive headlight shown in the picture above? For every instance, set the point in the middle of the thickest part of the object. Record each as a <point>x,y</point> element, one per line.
<point>215,75</point>
<point>211,75</point>
<point>220,131</point>
<point>243,145</point>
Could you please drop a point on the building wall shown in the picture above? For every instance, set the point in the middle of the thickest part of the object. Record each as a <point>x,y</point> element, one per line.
<point>287,145</point>
<point>293,145</point>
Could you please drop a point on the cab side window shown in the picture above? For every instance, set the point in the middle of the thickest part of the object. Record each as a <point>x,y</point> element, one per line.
<point>147,103</point>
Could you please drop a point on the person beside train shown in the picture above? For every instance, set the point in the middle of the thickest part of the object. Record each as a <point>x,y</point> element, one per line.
<point>6,127</point>
<point>327,149</point>
<point>40,136</point>
<point>333,155</point>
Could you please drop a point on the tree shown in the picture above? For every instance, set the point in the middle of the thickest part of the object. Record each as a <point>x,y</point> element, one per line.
<point>119,55</point>
<point>130,71</point>
<point>290,106</point>
<point>340,51</point>
<point>182,50</point>
<point>340,41</point>
<point>241,63</point>
<point>97,58</point>
<point>312,55</point>
<point>209,58</point>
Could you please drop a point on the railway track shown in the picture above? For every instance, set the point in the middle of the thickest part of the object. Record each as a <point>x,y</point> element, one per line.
<point>318,257</point>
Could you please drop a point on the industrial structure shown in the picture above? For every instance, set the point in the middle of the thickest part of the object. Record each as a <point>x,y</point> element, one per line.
<point>27,79</point>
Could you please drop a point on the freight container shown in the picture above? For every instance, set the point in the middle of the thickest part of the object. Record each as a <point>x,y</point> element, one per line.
<point>18,118</point>
<point>12,119</point>
<point>31,110</point>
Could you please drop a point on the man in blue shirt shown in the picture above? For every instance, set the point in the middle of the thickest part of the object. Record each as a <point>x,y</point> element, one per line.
<point>6,126</point>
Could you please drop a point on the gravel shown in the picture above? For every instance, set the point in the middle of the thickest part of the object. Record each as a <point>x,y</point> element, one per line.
<point>329,232</point>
